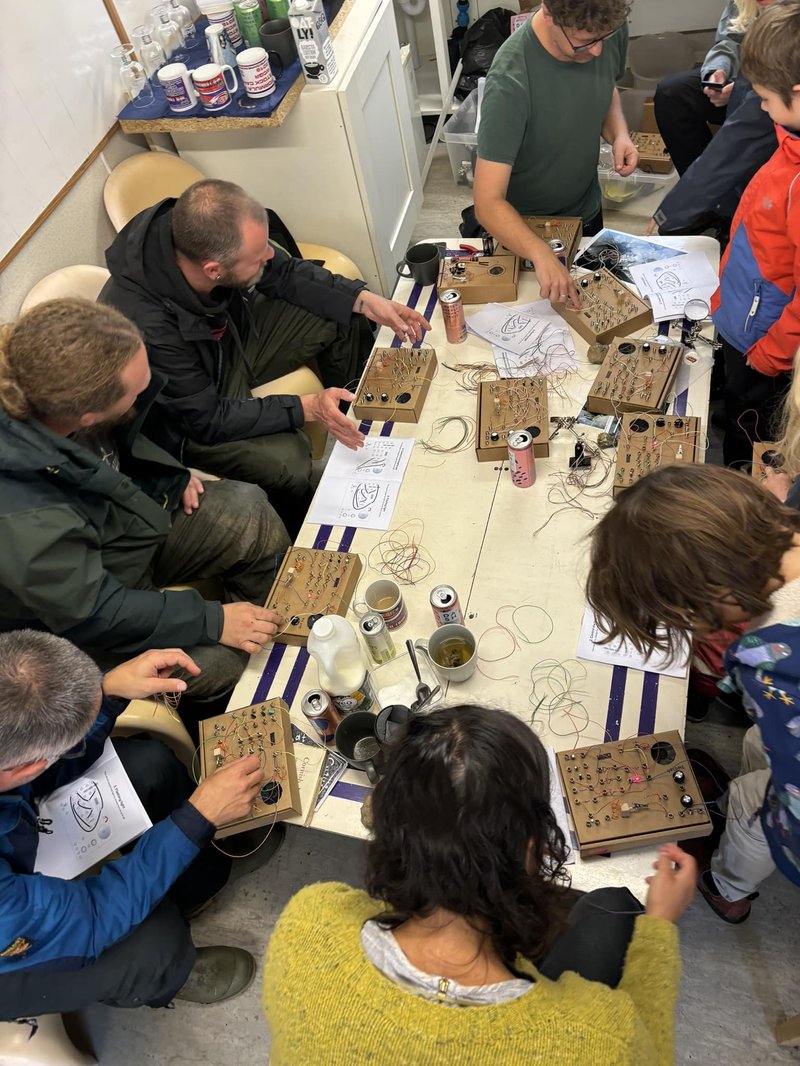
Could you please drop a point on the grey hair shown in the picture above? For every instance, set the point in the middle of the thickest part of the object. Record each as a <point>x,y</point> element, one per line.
<point>207,220</point>
<point>49,694</point>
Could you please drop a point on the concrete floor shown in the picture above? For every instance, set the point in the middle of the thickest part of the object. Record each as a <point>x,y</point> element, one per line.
<point>737,981</point>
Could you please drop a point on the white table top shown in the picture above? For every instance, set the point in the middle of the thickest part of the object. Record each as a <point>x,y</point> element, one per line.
<point>478,528</point>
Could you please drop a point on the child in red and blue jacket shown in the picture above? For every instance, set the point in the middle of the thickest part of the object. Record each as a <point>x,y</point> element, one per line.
<point>757,307</point>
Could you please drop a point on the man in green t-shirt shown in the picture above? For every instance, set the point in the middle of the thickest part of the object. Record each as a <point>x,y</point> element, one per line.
<point>550,92</point>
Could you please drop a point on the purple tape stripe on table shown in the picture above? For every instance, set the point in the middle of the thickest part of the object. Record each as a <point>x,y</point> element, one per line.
<point>616,697</point>
<point>416,290</point>
<point>344,790</point>
<point>429,306</point>
<point>679,404</point>
<point>647,713</point>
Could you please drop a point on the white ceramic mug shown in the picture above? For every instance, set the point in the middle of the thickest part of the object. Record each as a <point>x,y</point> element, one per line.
<point>178,87</point>
<point>257,77</point>
<point>459,635</point>
<point>212,85</point>
<point>384,598</point>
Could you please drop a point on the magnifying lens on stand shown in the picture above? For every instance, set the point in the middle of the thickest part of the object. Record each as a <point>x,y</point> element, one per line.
<point>694,315</point>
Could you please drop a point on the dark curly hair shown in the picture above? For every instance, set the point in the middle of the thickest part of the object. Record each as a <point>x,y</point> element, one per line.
<point>589,16</point>
<point>462,822</point>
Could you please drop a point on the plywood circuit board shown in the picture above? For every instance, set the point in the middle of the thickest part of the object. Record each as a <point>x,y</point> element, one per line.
<point>312,583</point>
<point>650,440</point>
<point>765,455</point>
<point>566,231</point>
<point>508,404</point>
<point>636,375</point>
<point>264,730</point>
<point>608,309</point>
<point>653,155</point>
<point>394,384</point>
<point>632,793</point>
<point>481,279</point>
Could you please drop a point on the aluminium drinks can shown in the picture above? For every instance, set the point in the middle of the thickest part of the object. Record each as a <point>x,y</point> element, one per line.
<point>520,457</point>
<point>559,250</point>
<point>376,636</point>
<point>318,708</point>
<point>455,324</point>
<point>250,20</point>
<point>446,608</point>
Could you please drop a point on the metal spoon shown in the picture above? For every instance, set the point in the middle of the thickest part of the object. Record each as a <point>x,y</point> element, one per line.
<point>423,690</point>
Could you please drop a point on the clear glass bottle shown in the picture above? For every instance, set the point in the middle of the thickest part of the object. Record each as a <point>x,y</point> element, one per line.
<point>183,16</point>
<point>151,54</point>
<point>133,76</point>
<point>167,31</point>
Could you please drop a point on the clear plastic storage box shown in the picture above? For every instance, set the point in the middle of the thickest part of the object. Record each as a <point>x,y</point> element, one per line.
<point>618,191</point>
<point>462,141</point>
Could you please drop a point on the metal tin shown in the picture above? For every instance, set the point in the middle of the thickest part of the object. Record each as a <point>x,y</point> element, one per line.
<point>250,20</point>
<point>376,636</point>
<point>559,250</point>
<point>446,608</point>
<point>455,323</point>
<point>316,705</point>
<point>520,456</point>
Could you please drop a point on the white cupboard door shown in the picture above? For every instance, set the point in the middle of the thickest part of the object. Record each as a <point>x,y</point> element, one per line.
<point>377,116</point>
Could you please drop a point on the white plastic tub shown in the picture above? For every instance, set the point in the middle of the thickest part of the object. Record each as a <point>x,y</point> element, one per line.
<point>618,192</point>
<point>462,141</point>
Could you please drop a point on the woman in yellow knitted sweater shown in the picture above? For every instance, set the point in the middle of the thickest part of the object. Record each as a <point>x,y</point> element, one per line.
<point>464,951</point>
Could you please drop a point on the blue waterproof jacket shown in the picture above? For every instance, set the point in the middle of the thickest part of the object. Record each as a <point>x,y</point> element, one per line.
<point>47,923</point>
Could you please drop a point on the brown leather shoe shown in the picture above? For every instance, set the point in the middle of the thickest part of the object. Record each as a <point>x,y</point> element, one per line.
<point>734,913</point>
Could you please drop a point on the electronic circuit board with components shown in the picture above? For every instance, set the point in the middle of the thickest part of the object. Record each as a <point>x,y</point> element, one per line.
<point>653,155</point>
<point>508,404</point>
<point>650,440</point>
<point>480,279</point>
<point>636,375</point>
<point>563,235</point>
<point>632,793</point>
<point>608,308</point>
<point>394,384</point>
<point>311,583</point>
<point>263,730</point>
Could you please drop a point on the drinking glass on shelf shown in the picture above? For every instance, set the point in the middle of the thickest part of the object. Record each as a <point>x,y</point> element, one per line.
<point>183,16</point>
<point>133,76</point>
<point>151,54</point>
<point>167,31</point>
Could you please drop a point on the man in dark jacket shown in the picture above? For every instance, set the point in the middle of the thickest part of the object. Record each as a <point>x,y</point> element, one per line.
<point>118,937</point>
<point>223,311</point>
<point>95,519</point>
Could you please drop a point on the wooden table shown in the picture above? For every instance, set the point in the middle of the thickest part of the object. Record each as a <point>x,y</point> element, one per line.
<point>479,530</point>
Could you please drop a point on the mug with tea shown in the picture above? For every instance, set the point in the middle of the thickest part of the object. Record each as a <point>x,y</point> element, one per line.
<point>451,650</point>
<point>178,88</point>
<point>212,85</point>
<point>385,598</point>
<point>423,264</point>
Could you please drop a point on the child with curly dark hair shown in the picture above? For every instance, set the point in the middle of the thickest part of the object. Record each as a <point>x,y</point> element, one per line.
<point>468,907</point>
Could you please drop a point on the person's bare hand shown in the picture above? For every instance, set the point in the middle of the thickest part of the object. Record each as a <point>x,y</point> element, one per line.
<point>626,155</point>
<point>652,227</point>
<point>229,793</point>
<point>719,97</point>
<point>149,674</point>
<point>190,500</point>
<point>776,482</point>
<point>672,886</point>
<point>323,407</point>
<point>248,627</point>
<point>555,282</point>
<point>408,324</point>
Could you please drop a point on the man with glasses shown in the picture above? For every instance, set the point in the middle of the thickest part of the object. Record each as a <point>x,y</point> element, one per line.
<point>550,92</point>
<point>120,936</point>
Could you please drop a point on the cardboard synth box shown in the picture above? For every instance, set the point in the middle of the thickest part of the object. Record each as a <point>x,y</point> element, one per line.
<point>481,279</point>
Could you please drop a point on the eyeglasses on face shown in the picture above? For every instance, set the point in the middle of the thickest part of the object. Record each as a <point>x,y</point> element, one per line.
<point>579,48</point>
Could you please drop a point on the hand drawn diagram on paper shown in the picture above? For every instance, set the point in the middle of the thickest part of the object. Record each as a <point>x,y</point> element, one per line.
<point>86,804</point>
<point>670,284</point>
<point>360,488</point>
<point>527,341</point>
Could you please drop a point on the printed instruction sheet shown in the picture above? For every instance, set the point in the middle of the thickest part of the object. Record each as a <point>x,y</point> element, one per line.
<point>91,817</point>
<point>360,488</point>
<point>669,284</point>
<point>528,341</point>
<point>620,653</point>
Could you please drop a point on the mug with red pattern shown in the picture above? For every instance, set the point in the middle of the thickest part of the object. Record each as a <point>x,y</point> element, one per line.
<point>212,85</point>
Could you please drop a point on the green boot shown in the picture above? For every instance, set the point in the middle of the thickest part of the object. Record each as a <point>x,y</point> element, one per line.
<point>219,973</point>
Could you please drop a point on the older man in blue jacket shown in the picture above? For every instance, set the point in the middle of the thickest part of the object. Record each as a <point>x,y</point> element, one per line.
<point>121,936</point>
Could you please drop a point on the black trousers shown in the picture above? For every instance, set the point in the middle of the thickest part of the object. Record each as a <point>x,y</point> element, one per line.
<point>470,227</point>
<point>595,942</point>
<point>152,963</point>
<point>753,404</point>
<point>683,113</point>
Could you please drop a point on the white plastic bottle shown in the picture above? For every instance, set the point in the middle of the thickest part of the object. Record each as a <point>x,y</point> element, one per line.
<point>335,648</point>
